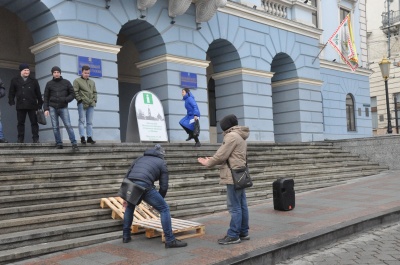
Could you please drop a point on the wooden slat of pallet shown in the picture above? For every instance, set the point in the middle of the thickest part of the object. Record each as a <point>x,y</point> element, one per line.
<point>149,219</point>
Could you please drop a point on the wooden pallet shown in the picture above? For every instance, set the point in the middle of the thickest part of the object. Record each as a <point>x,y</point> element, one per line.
<point>147,218</point>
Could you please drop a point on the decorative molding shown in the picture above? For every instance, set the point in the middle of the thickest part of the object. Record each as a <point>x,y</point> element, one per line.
<point>129,79</point>
<point>269,20</point>
<point>206,9</point>
<point>178,7</point>
<point>242,71</point>
<point>142,5</point>
<point>291,81</point>
<point>172,59</point>
<point>14,65</point>
<point>343,67</point>
<point>73,42</point>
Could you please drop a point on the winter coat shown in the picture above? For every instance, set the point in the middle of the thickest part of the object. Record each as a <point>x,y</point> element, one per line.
<point>150,168</point>
<point>85,92</point>
<point>27,93</point>
<point>192,110</point>
<point>2,89</point>
<point>58,93</point>
<point>234,148</point>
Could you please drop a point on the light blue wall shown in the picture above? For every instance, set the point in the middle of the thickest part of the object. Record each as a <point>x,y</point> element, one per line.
<point>231,43</point>
<point>334,90</point>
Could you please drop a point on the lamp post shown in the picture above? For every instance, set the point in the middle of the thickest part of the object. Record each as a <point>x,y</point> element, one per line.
<point>385,69</point>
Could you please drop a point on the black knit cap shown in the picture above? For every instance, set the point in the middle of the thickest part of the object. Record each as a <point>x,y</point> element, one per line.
<point>55,68</point>
<point>23,66</point>
<point>228,122</point>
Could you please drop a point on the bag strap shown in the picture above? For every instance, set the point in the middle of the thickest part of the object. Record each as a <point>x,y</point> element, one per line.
<point>227,161</point>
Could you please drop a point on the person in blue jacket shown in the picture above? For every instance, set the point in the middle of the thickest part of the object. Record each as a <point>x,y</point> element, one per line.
<point>192,115</point>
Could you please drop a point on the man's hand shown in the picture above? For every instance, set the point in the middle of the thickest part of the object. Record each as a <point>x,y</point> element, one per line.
<point>46,113</point>
<point>203,160</point>
<point>124,204</point>
<point>196,118</point>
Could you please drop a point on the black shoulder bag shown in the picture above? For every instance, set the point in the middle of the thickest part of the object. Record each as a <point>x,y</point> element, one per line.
<point>129,191</point>
<point>241,176</point>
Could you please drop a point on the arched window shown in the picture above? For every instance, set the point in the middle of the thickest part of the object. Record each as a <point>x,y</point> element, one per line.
<point>351,120</point>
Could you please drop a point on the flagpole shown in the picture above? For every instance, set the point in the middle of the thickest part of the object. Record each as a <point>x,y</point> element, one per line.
<point>320,52</point>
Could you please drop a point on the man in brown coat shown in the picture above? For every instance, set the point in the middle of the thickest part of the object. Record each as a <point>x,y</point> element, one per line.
<point>234,149</point>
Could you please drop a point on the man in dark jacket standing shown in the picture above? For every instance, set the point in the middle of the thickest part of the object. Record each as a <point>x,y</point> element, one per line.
<point>57,94</point>
<point>145,171</point>
<point>2,94</point>
<point>26,90</point>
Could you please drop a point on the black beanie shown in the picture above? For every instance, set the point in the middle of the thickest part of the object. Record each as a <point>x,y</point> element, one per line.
<point>23,66</point>
<point>228,122</point>
<point>55,68</point>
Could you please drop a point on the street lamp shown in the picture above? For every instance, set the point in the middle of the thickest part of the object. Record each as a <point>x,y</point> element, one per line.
<point>385,69</point>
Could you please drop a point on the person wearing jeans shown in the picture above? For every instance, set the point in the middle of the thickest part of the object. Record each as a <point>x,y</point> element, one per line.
<point>86,96</point>
<point>57,94</point>
<point>234,149</point>
<point>144,171</point>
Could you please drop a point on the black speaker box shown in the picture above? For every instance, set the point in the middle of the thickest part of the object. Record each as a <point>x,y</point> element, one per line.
<point>283,190</point>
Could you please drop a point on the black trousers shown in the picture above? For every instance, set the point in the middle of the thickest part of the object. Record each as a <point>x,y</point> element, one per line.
<point>21,117</point>
<point>190,132</point>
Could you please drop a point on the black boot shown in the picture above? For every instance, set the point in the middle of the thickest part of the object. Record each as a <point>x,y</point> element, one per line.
<point>190,137</point>
<point>196,139</point>
<point>83,141</point>
<point>90,140</point>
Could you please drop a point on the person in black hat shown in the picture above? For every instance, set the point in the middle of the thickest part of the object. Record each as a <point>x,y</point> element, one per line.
<point>57,94</point>
<point>234,149</point>
<point>26,90</point>
<point>146,170</point>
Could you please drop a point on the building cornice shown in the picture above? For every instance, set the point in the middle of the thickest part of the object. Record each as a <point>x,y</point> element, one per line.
<point>167,58</point>
<point>129,79</point>
<point>291,81</point>
<point>74,42</point>
<point>270,20</point>
<point>14,65</point>
<point>242,71</point>
<point>343,67</point>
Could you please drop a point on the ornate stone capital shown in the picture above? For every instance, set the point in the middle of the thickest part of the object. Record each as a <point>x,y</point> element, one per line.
<point>178,7</point>
<point>142,5</point>
<point>206,9</point>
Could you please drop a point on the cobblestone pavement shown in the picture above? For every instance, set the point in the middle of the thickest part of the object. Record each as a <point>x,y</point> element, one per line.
<point>380,245</point>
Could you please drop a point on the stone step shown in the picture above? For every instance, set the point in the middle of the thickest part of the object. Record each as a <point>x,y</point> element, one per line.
<point>57,233</point>
<point>15,254</point>
<point>42,221</point>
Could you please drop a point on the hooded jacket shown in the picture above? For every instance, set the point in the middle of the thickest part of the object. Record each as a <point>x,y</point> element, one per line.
<point>192,110</point>
<point>27,93</point>
<point>234,148</point>
<point>58,93</point>
<point>149,168</point>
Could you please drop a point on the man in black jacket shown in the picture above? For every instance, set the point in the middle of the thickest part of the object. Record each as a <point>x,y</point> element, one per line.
<point>145,171</point>
<point>26,90</point>
<point>2,94</point>
<point>57,94</point>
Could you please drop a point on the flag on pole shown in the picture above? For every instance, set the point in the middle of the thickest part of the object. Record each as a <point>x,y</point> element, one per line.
<point>343,42</point>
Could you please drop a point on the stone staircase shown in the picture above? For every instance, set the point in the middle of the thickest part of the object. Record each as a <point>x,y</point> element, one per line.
<point>49,198</point>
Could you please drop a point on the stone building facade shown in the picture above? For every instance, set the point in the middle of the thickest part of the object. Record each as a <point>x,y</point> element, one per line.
<point>257,59</point>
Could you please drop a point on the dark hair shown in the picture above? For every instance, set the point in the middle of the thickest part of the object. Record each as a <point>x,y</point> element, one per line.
<point>187,90</point>
<point>85,67</point>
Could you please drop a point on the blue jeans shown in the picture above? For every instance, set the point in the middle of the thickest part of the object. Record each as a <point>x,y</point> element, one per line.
<point>153,198</point>
<point>85,114</point>
<point>237,207</point>
<point>64,115</point>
